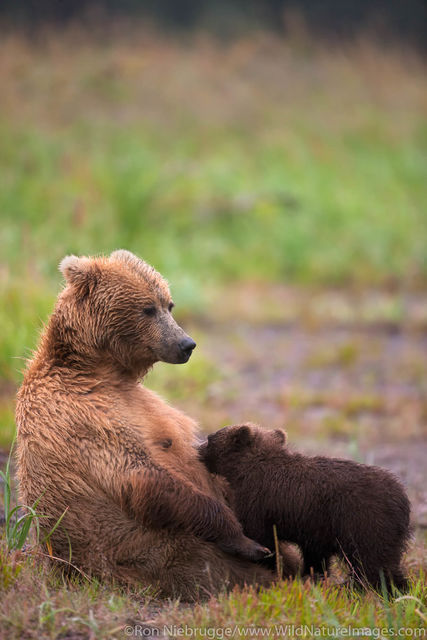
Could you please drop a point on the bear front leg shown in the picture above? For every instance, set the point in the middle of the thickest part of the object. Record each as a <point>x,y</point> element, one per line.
<point>155,498</point>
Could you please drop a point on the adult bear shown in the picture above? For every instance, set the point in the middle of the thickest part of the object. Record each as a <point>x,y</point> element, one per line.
<point>92,441</point>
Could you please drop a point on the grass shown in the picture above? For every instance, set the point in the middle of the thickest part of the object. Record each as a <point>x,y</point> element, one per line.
<point>20,519</point>
<point>52,606</point>
<point>235,169</point>
<point>7,421</point>
<point>190,381</point>
<point>257,161</point>
<point>303,603</point>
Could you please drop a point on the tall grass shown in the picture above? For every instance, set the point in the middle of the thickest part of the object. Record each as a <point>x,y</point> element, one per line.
<point>261,160</point>
<point>53,607</point>
<point>19,519</point>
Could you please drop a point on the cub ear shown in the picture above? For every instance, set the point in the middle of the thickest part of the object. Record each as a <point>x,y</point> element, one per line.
<point>202,450</point>
<point>242,437</point>
<point>75,270</point>
<point>280,437</point>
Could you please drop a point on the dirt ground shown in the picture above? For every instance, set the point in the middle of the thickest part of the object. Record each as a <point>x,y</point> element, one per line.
<point>353,389</point>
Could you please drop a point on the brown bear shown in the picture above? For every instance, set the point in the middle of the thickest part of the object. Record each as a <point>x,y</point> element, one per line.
<point>325,505</point>
<point>91,441</point>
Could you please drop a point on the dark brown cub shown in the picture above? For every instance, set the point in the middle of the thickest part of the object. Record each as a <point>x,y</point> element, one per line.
<point>325,505</point>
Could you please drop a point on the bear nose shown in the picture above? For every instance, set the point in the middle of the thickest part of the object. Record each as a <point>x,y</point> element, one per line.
<point>187,345</point>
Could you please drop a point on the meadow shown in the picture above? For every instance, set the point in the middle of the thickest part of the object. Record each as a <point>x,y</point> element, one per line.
<point>281,187</point>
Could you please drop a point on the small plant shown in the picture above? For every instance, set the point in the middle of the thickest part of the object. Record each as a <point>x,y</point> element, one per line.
<point>17,524</point>
<point>19,518</point>
<point>9,569</point>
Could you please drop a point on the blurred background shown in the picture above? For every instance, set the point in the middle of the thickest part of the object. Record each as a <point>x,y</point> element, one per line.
<point>269,158</point>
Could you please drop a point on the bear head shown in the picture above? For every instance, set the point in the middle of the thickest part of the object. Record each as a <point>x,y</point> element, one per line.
<point>118,310</point>
<point>226,448</point>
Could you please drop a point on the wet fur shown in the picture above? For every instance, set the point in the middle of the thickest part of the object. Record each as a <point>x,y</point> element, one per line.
<point>91,442</point>
<point>325,505</point>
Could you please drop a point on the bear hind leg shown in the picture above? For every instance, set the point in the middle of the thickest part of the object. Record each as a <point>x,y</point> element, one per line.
<point>317,564</point>
<point>389,578</point>
<point>377,577</point>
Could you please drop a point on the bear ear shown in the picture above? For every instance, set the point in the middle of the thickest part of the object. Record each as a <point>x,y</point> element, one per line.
<point>242,437</point>
<point>124,255</point>
<point>130,260</point>
<point>280,437</point>
<point>75,270</point>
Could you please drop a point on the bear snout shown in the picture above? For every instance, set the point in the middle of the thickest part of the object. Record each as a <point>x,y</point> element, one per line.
<point>174,346</point>
<point>187,345</point>
<point>180,351</point>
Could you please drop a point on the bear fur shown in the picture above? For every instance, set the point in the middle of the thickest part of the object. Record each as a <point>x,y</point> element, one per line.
<point>325,505</point>
<point>91,441</point>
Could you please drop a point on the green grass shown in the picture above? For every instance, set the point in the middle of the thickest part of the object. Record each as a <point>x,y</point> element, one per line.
<point>51,605</point>
<point>232,207</point>
<point>298,603</point>
<point>193,380</point>
<point>7,421</point>
<point>20,519</point>
<point>259,161</point>
<point>233,169</point>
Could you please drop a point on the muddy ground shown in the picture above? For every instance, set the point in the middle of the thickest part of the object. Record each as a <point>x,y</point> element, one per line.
<point>341,380</point>
<point>356,391</point>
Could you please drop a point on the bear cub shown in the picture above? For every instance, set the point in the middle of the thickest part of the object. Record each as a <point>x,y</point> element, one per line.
<point>325,505</point>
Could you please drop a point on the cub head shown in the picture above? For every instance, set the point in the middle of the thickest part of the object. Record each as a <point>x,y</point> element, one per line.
<point>228,446</point>
<point>120,308</point>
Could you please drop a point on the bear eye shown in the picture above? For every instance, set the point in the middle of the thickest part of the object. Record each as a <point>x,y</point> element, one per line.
<point>170,306</point>
<point>149,311</point>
